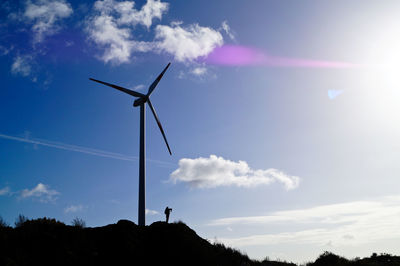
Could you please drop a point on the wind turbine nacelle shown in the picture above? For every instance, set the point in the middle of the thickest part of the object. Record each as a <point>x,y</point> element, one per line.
<point>139,101</point>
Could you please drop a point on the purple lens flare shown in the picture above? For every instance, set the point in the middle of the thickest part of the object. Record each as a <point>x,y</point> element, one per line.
<point>237,55</point>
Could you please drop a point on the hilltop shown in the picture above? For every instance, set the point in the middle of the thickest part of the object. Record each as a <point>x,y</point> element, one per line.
<point>49,242</point>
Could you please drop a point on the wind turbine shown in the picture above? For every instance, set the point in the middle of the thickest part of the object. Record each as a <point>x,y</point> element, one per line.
<point>141,101</point>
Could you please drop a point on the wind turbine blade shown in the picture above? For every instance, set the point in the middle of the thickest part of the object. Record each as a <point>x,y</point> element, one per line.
<point>154,84</point>
<point>159,124</point>
<point>130,92</point>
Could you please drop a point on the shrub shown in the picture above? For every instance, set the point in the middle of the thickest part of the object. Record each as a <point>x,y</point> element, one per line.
<point>328,258</point>
<point>179,222</point>
<point>3,223</point>
<point>46,221</point>
<point>78,222</point>
<point>266,259</point>
<point>21,219</point>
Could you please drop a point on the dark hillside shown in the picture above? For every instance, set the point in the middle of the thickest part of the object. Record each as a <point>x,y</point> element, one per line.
<point>49,242</point>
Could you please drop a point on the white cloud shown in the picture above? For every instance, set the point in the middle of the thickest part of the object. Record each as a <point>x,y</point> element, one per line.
<point>327,214</point>
<point>228,30</point>
<point>115,41</point>
<point>187,43</point>
<point>130,16</point>
<point>69,43</point>
<point>74,208</point>
<point>42,192</point>
<point>5,191</point>
<point>139,87</point>
<point>199,71</point>
<point>45,14</point>
<point>4,50</point>
<point>181,75</point>
<point>151,212</point>
<point>352,223</point>
<point>111,28</point>
<point>216,171</point>
<point>22,65</point>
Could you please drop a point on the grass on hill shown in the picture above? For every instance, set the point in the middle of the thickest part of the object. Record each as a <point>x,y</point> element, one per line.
<point>46,241</point>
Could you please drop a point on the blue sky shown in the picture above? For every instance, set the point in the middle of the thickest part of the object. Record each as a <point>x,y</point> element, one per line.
<point>281,116</point>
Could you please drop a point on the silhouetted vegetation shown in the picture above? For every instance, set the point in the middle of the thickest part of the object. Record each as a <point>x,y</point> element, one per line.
<point>43,223</point>
<point>3,223</point>
<point>78,222</point>
<point>268,262</point>
<point>21,219</point>
<point>46,241</point>
<point>328,258</point>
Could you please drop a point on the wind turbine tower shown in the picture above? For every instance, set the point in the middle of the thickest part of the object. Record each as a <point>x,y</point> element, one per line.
<point>141,101</point>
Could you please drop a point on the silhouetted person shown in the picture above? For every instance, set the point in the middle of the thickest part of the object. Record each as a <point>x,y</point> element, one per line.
<point>167,212</point>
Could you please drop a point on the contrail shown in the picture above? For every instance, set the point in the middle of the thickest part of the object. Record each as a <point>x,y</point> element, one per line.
<point>86,150</point>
